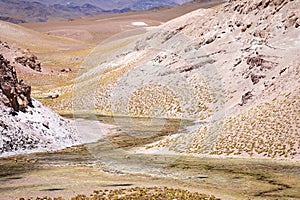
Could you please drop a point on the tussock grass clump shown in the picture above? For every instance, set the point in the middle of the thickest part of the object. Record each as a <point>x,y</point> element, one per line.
<point>154,101</point>
<point>271,129</point>
<point>139,193</point>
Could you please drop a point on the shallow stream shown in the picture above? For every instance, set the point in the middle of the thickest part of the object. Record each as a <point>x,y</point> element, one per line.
<point>111,162</point>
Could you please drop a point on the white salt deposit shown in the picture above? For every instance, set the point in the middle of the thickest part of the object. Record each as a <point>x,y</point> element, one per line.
<point>37,130</point>
<point>139,24</point>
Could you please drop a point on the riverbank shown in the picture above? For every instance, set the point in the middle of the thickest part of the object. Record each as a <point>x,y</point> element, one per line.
<point>75,171</point>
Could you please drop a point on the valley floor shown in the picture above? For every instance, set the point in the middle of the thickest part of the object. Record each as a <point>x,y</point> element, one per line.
<point>248,65</point>
<point>104,166</point>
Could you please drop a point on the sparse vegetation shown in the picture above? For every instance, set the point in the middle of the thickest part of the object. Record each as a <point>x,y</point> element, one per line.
<point>138,193</point>
<point>232,69</point>
<point>266,130</point>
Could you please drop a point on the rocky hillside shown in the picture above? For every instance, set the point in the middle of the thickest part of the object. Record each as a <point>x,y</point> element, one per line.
<point>20,58</point>
<point>25,124</point>
<point>235,69</point>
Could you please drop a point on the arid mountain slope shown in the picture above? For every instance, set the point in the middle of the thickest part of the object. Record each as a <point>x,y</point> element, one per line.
<point>17,11</point>
<point>115,4</point>
<point>29,39</point>
<point>95,29</point>
<point>61,65</point>
<point>55,53</point>
<point>234,68</point>
<point>25,124</point>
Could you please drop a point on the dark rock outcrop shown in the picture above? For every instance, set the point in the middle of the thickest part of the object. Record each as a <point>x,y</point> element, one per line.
<point>255,78</point>
<point>246,97</point>
<point>29,60</point>
<point>13,93</point>
<point>12,20</point>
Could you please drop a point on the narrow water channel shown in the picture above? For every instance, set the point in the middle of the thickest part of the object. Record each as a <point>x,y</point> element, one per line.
<point>110,162</point>
<point>116,148</point>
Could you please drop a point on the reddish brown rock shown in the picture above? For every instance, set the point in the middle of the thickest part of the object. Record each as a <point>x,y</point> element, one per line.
<point>13,93</point>
<point>30,61</point>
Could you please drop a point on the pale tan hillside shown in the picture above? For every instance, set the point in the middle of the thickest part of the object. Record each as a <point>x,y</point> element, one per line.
<point>257,54</point>
<point>51,50</point>
<point>62,45</point>
<point>234,68</point>
<point>96,28</point>
<point>35,41</point>
<point>55,53</point>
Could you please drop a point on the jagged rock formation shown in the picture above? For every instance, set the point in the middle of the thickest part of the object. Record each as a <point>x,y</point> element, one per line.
<point>30,61</point>
<point>234,68</point>
<point>25,124</point>
<point>13,93</point>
